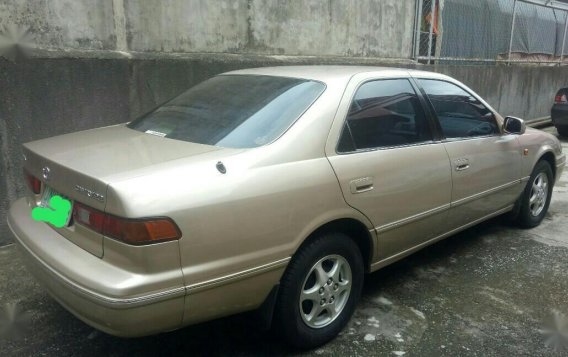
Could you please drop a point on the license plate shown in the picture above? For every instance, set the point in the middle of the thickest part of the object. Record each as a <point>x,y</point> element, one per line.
<point>48,193</point>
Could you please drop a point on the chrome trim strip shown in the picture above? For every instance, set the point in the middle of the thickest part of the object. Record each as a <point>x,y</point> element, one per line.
<point>425,214</point>
<point>384,148</point>
<point>231,278</point>
<point>468,199</point>
<point>116,303</point>
<point>407,220</point>
<point>398,256</point>
<point>525,179</point>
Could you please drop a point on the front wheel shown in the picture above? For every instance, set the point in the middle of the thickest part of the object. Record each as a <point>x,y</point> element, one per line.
<point>319,290</point>
<point>537,195</point>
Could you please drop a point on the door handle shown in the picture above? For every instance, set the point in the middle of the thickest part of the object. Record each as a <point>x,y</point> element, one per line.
<point>360,185</point>
<point>462,167</point>
<point>461,164</point>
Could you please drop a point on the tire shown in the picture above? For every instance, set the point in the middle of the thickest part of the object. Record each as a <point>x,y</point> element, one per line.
<point>304,311</point>
<point>562,130</point>
<point>536,197</point>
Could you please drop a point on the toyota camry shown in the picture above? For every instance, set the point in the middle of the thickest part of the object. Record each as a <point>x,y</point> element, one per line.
<point>271,189</point>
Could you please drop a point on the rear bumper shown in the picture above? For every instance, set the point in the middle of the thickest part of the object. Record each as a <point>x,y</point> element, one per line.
<point>72,276</point>
<point>559,115</point>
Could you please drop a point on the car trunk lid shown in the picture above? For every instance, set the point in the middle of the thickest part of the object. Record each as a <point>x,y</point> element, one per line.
<point>80,166</point>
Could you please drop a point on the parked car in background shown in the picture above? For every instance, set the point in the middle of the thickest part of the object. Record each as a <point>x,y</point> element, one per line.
<point>559,112</point>
<point>274,189</point>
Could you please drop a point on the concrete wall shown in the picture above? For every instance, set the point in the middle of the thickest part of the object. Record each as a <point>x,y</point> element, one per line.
<point>379,28</point>
<point>334,27</point>
<point>187,26</point>
<point>61,24</point>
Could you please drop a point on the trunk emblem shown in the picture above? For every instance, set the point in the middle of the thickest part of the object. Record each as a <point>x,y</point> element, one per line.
<point>45,173</point>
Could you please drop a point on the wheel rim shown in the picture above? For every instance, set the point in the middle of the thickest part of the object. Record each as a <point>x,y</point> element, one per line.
<point>539,194</point>
<point>325,291</point>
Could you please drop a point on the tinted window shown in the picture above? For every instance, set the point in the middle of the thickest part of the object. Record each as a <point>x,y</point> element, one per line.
<point>384,113</point>
<point>233,111</point>
<point>459,113</point>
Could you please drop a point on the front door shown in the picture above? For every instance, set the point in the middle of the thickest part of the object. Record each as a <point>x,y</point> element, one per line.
<point>486,164</point>
<point>390,168</point>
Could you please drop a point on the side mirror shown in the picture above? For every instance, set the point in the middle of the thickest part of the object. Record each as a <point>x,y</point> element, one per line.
<point>514,125</point>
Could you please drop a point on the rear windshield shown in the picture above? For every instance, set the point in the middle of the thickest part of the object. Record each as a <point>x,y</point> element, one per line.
<point>234,111</point>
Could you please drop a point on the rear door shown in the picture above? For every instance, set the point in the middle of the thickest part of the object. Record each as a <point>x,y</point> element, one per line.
<point>388,164</point>
<point>486,164</point>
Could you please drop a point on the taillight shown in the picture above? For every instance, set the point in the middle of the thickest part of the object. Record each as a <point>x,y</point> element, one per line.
<point>33,182</point>
<point>131,231</point>
<point>561,99</point>
<point>140,231</point>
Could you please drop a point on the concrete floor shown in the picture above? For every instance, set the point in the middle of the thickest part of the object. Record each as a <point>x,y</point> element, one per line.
<point>492,290</point>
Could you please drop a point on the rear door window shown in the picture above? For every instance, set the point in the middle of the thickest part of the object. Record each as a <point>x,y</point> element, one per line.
<point>384,113</point>
<point>460,114</point>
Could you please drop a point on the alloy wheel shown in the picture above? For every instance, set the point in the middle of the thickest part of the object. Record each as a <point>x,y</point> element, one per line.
<point>325,291</point>
<point>539,194</point>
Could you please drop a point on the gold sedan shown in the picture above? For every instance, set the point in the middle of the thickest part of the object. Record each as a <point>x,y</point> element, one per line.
<point>274,189</point>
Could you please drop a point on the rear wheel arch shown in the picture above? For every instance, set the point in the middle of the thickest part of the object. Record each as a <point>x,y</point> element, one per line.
<point>354,229</point>
<point>350,227</point>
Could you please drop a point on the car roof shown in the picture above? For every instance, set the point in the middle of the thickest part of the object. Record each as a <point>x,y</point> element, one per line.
<point>327,73</point>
